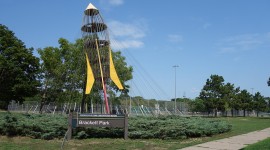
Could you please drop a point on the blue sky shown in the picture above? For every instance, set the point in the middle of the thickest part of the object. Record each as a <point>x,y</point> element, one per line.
<point>230,38</point>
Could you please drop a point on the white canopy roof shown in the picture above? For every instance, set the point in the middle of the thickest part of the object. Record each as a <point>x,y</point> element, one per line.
<point>91,6</point>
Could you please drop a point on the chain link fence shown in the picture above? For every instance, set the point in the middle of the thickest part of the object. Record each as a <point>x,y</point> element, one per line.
<point>159,108</point>
<point>132,109</point>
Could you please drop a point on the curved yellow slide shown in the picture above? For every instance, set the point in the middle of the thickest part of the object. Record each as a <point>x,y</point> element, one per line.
<point>113,73</point>
<point>90,76</point>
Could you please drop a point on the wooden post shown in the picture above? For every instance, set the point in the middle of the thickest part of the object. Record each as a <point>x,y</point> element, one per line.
<point>69,134</point>
<point>126,127</point>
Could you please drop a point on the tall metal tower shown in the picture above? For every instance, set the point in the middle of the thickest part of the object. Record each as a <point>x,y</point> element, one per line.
<point>100,66</point>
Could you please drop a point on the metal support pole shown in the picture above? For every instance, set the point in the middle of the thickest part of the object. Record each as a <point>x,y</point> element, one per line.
<point>130,105</point>
<point>175,66</point>
<point>126,127</point>
<point>69,132</point>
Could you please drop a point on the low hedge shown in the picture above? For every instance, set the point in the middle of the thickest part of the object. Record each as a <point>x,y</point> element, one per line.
<point>176,127</point>
<point>47,127</point>
<point>35,125</point>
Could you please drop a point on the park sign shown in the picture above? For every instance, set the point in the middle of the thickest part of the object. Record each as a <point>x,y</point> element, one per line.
<point>100,120</point>
<point>97,120</point>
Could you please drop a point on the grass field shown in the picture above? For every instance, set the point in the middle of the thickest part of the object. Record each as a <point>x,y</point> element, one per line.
<point>262,145</point>
<point>240,126</point>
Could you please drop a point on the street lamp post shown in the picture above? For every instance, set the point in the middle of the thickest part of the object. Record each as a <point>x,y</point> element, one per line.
<point>175,66</point>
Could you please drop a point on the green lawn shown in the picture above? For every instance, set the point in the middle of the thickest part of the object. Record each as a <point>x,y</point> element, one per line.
<point>262,145</point>
<point>240,126</point>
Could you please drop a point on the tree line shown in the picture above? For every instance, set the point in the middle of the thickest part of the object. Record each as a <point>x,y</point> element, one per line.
<point>218,96</point>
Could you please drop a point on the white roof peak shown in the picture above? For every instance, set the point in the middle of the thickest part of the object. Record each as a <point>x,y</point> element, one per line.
<point>91,6</point>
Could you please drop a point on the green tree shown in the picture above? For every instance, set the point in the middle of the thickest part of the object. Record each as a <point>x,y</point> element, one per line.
<point>259,103</point>
<point>18,69</point>
<point>234,103</point>
<point>228,95</point>
<point>267,99</point>
<point>212,93</point>
<point>245,100</point>
<point>197,105</point>
<point>184,100</point>
<point>63,70</point>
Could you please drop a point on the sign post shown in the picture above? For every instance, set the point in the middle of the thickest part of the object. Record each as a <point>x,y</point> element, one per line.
<point>97,120</point>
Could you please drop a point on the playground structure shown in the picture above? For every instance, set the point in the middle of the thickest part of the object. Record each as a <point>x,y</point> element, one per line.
<point>99,60</point>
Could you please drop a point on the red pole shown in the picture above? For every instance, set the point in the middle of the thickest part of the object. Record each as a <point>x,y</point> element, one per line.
<point>106,99</point>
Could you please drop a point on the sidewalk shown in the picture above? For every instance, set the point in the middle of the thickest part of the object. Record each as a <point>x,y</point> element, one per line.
<point>233,143</point>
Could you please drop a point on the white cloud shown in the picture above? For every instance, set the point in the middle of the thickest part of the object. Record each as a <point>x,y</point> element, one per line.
<point>112,2</point>
<point>126,29</point>
<point>243,42</point>
<point>116,2</point>
<point>175,38</point>
<point>127,35</point>
<point>125,44</point>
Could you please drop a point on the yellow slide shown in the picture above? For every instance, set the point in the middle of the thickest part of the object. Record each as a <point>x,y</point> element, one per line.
<point>90,76</point>
<point>113,73</point>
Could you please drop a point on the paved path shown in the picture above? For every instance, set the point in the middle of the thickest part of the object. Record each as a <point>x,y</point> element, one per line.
<point>233,143</point>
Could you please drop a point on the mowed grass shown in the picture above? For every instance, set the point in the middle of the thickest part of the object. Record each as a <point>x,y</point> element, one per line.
<point>262,145</point>
<point>240,126</point>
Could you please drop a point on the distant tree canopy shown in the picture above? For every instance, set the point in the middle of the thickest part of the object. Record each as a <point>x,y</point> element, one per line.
<point>244,98</point>
<point>212,93</point>
<point>197,105</point>
<point>259,103</point>
<point>18,69</point>
<point>268,82</point>
<point>218,96</point>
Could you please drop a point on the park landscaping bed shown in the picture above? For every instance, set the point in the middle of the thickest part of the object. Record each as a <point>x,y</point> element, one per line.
<point>240,125</point>
<point>44,126</point>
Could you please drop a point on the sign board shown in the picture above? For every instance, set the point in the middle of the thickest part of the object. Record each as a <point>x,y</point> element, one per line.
<point>98,120</point>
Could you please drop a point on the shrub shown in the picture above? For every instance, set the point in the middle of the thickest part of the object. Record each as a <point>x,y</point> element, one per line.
<point>34,125</point>
<point>175,127</point>
<point>10,125</point>
<point>165,127</point>
<point>81,135</point>
<point>48,136</point>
